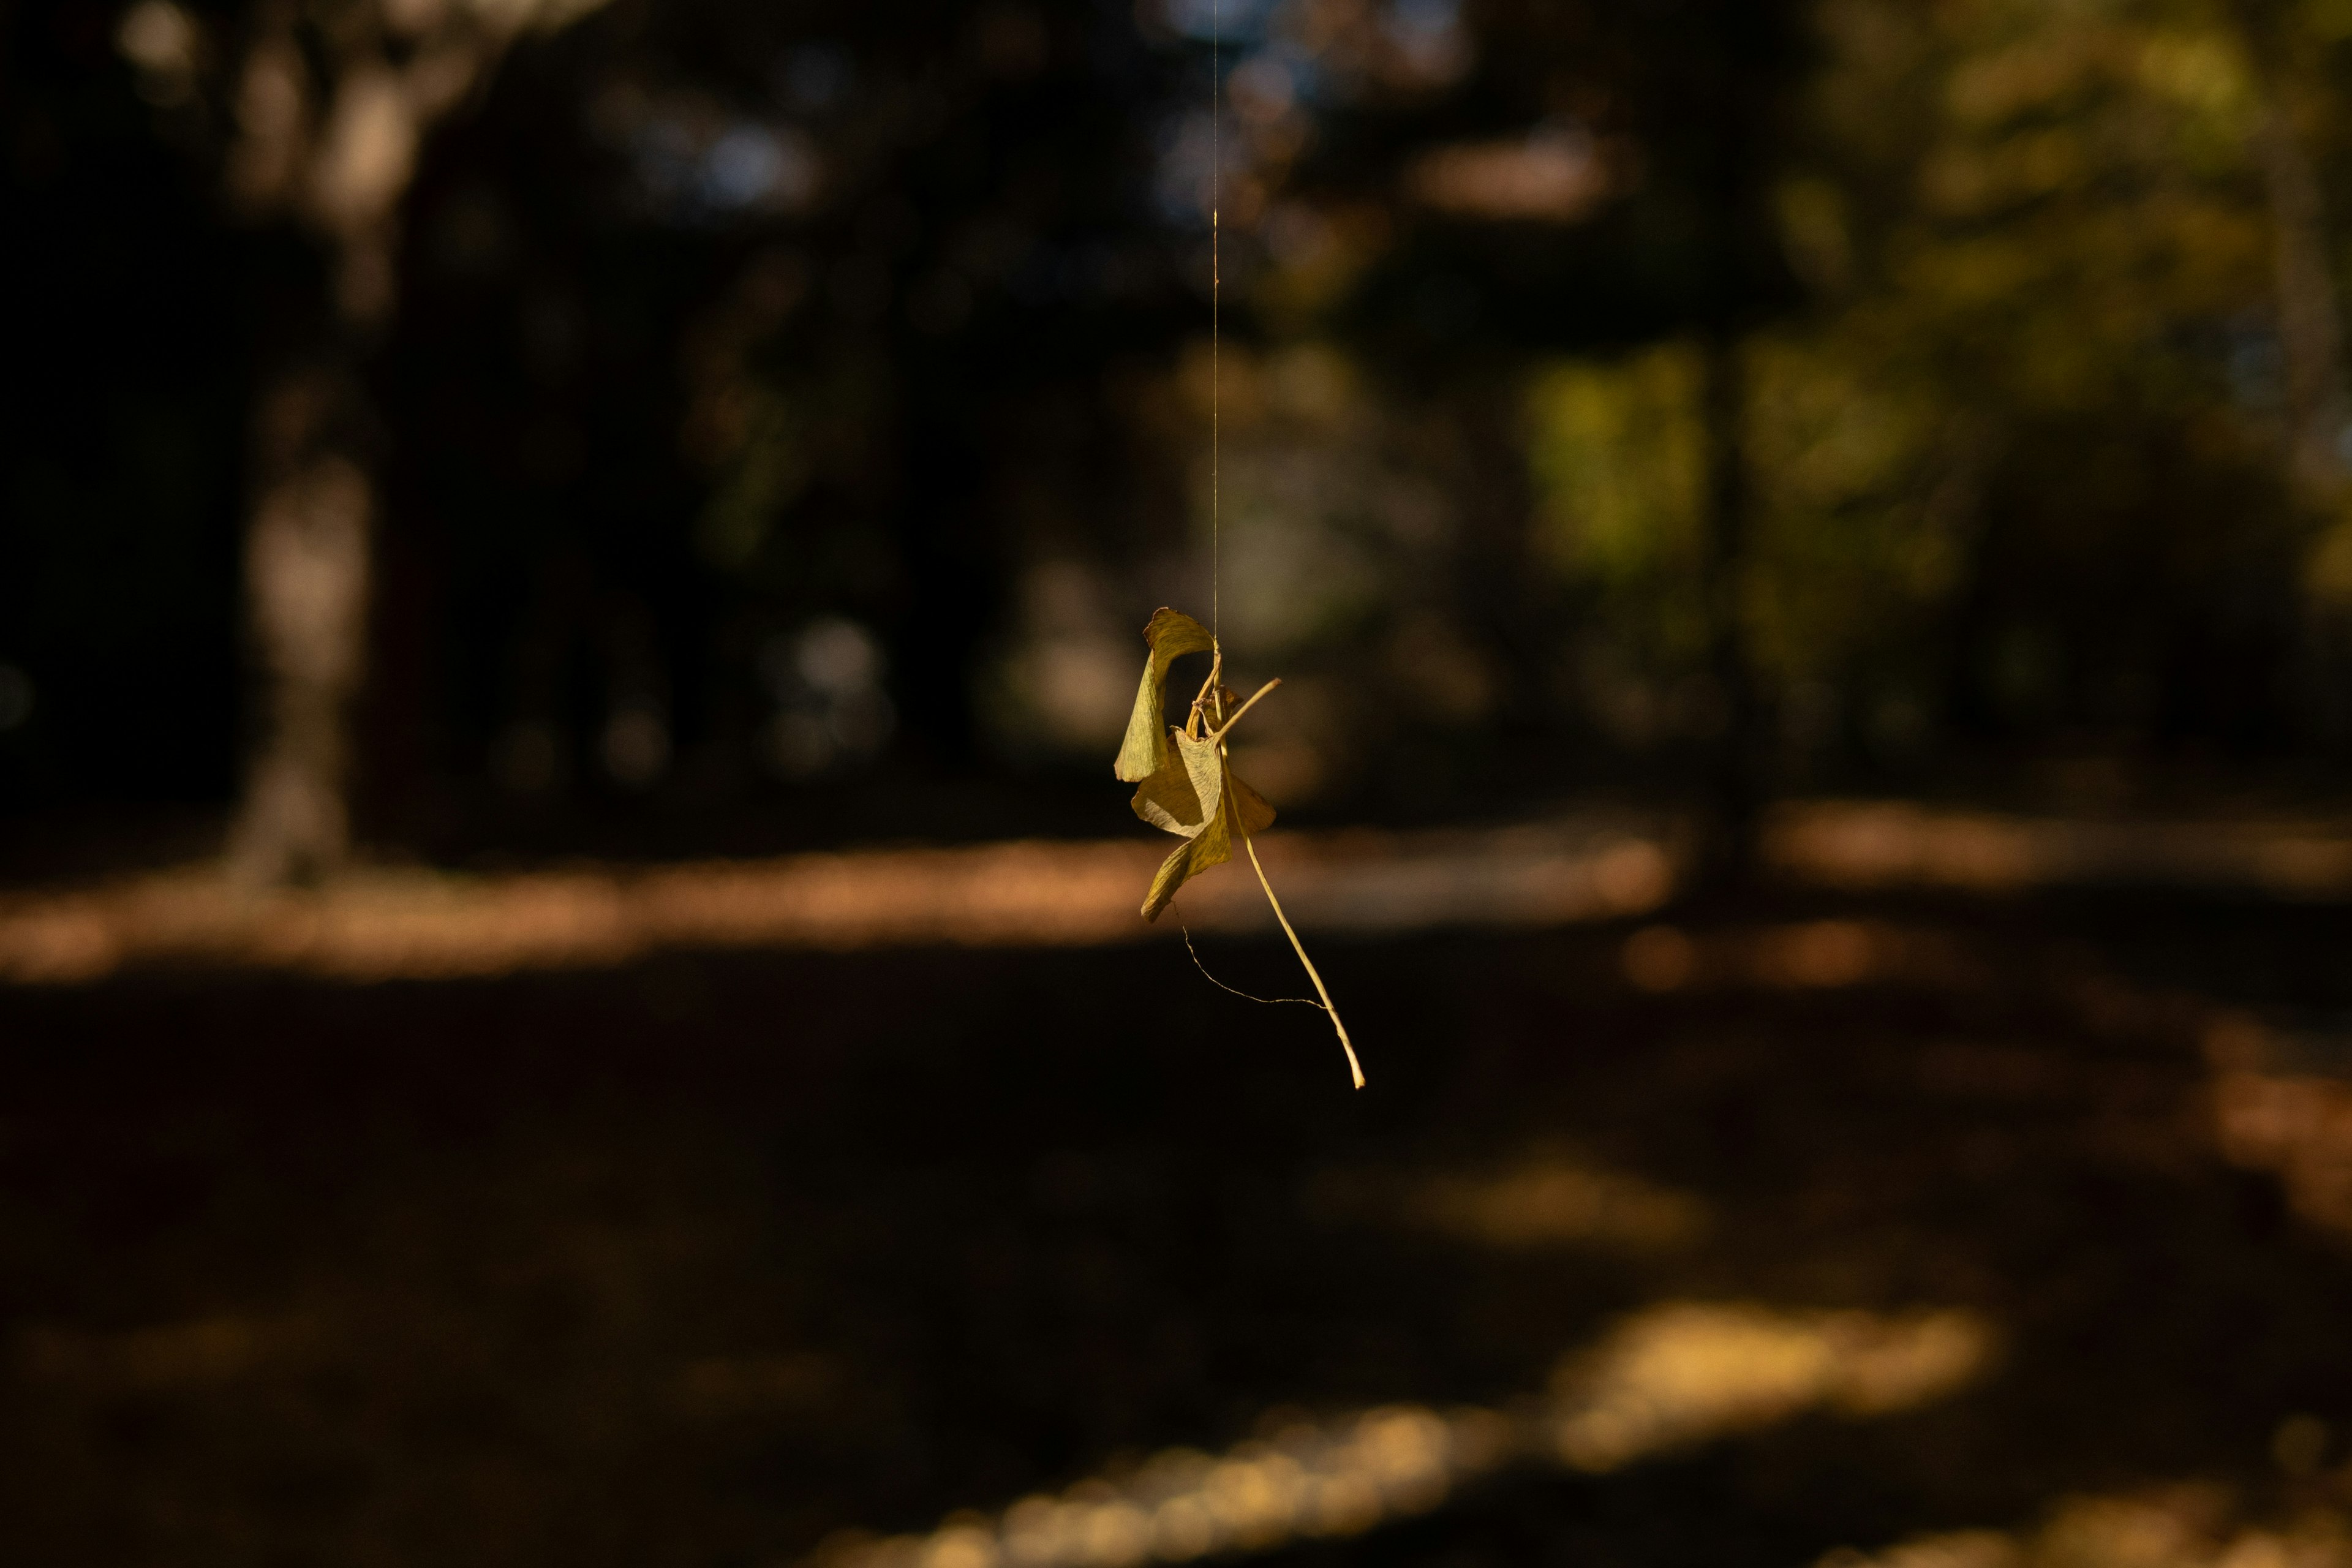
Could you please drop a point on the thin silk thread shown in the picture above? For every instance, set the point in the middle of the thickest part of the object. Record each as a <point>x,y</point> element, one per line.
<point>1216,290</point>
<point>1269,1001</point>
<point>1216,404</point>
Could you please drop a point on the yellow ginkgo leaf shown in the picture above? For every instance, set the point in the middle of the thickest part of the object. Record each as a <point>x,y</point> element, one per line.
<point>1209,839</point>
<point>1172,635</point>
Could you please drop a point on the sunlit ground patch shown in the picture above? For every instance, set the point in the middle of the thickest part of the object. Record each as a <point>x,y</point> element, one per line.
<point>2176,1527</point>
<point>389,923</point>
<point>1559,1200</point>
<point>1685,1373</point>
<point>2283,1102</point>
<point>1809,955</point>
<point>1549,1198</point>
<point>1675,1375</point>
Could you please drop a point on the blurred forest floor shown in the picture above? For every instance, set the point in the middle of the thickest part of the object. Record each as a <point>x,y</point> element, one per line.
<point>710,1253</point>
<point>392,922</point>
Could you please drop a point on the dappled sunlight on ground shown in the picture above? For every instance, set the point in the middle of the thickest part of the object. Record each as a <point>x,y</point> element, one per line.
<point>2283,1102</point>
<point>1553,1201</point>
<point>1545,1199</point>
<point>389,924</point>
<point>1862,845</point>
<point>2188,1525</point>
<point>1676,1375</point>
<point>1810,955</point>
<point>1686,1372</point>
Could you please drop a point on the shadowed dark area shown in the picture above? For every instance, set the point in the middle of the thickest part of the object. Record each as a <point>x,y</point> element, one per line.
<point>705,1259</point>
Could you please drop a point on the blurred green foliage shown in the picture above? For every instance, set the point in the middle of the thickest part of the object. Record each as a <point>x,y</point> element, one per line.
<point>2015,450</point>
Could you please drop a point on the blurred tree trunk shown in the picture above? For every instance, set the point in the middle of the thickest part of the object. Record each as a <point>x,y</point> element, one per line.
<point>2310,325</point>
<point>331,106</point>
<point>306,578</point>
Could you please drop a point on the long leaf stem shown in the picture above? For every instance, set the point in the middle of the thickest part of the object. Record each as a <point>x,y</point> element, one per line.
<point>1355,1068</point>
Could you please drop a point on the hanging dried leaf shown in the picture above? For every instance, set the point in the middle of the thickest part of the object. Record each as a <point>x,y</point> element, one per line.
<point>1184,785</point>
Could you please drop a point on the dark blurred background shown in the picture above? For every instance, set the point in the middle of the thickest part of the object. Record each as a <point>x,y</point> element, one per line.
<point>481,439</point>
<point>715,426</point>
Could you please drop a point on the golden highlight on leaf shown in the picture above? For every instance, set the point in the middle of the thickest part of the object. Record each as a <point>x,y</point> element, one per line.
<point>1172,635</point>
<point>1225,806</point>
